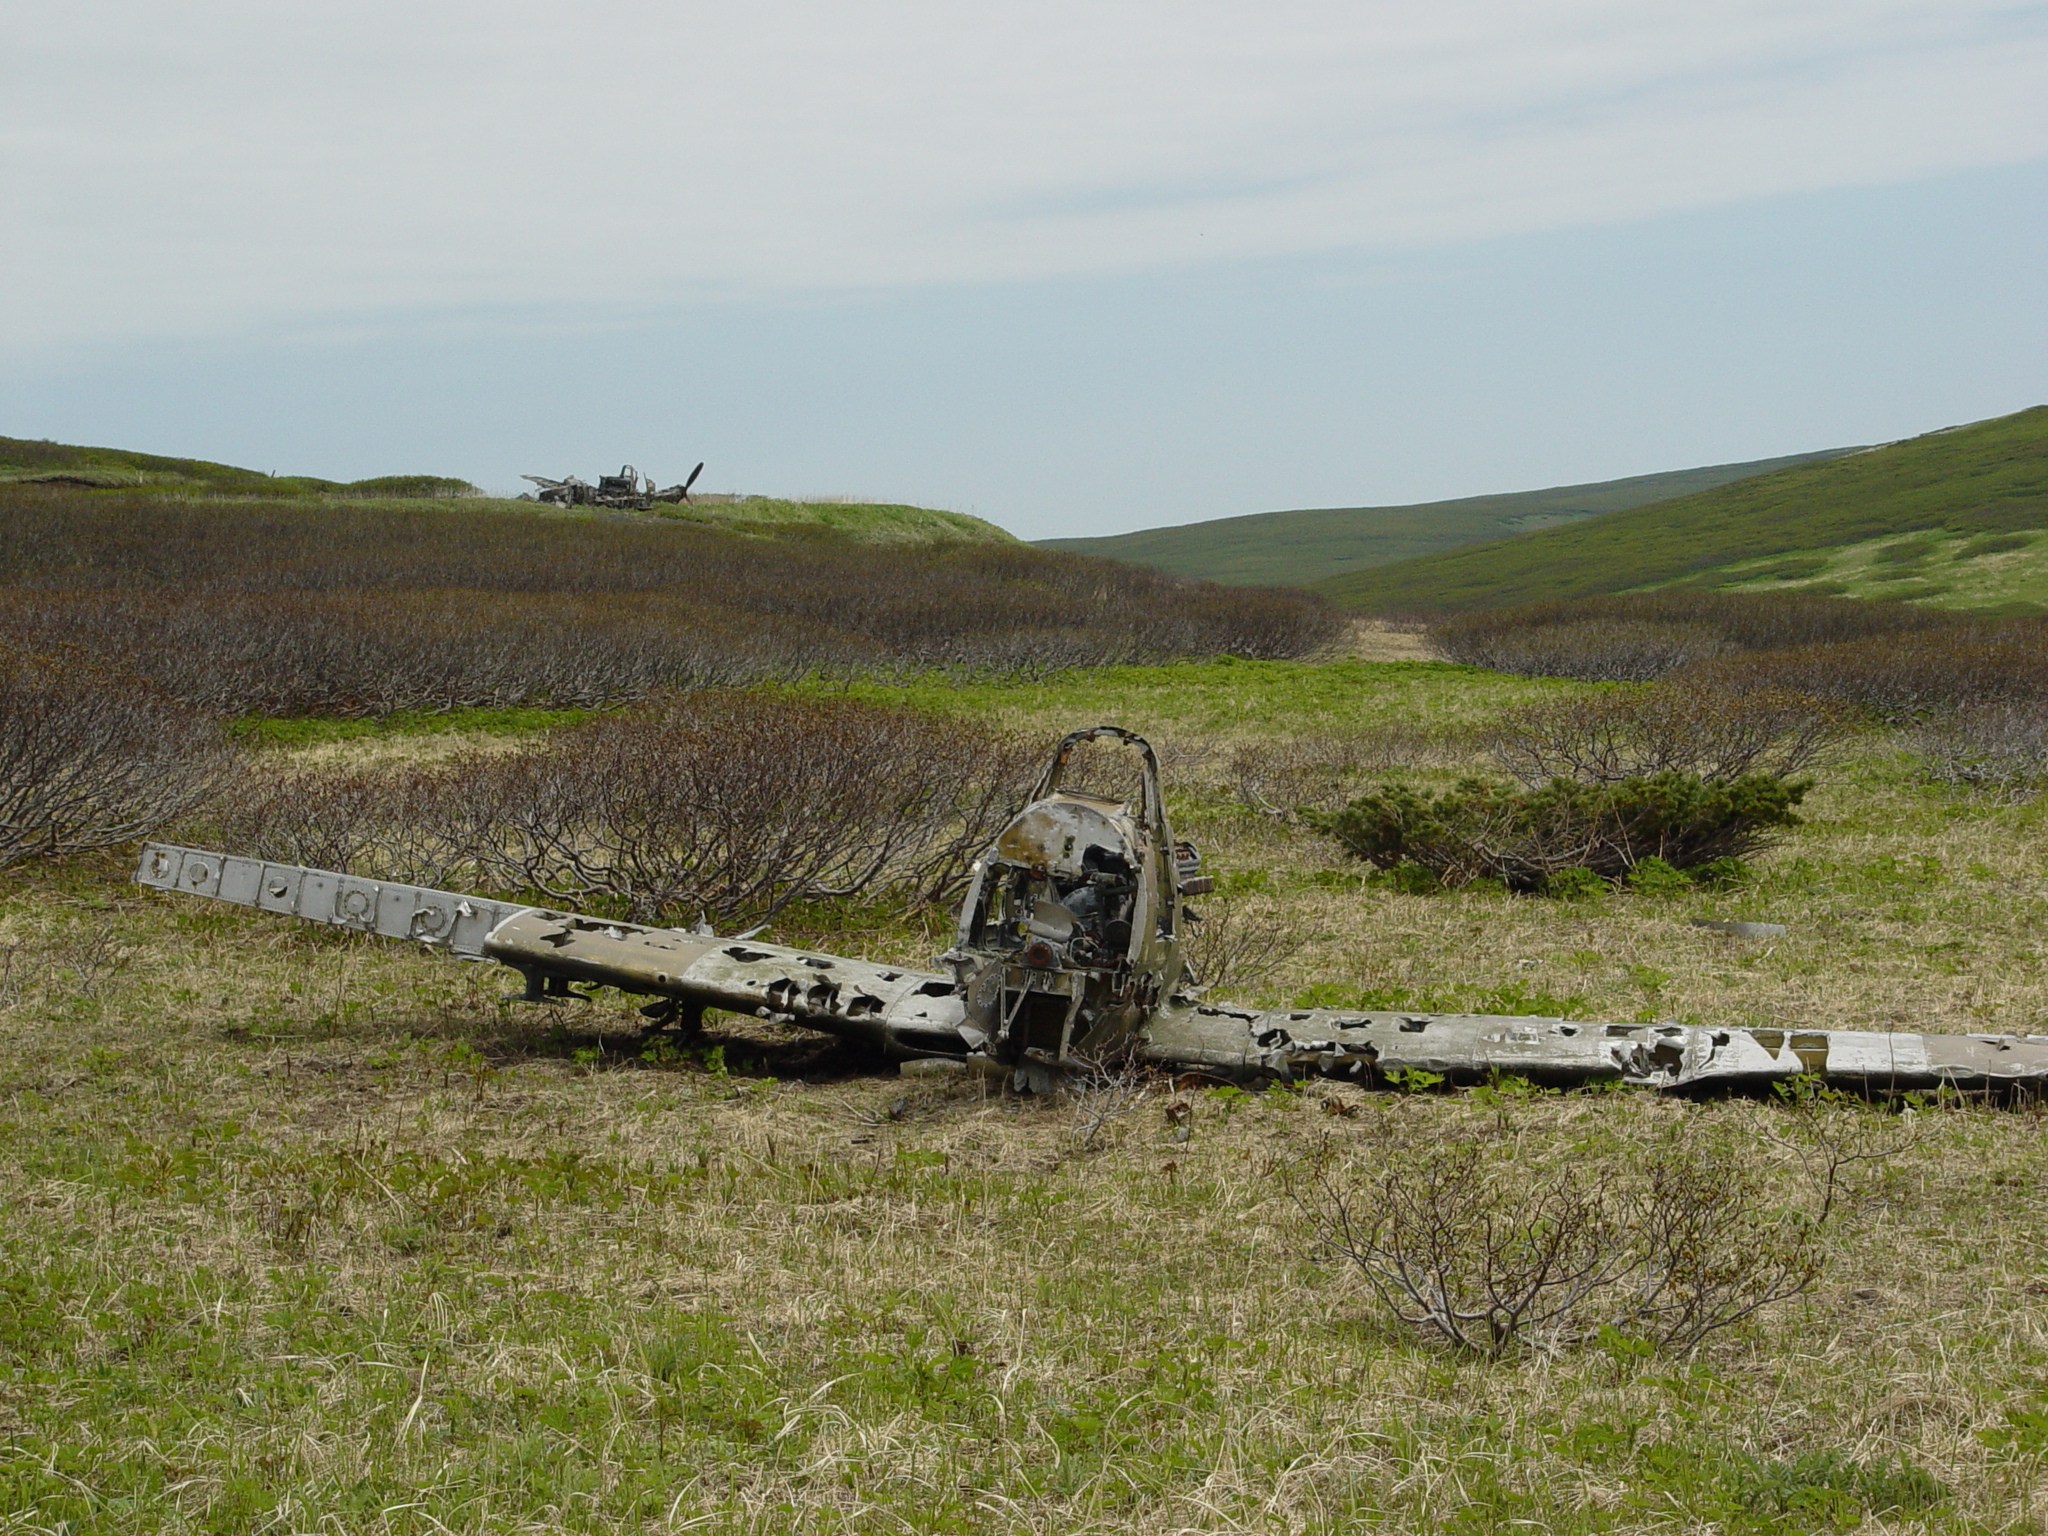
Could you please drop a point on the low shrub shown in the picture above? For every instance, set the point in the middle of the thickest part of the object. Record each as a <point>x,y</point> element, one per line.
<point>1527,838</point>
<point>1714,733</point>
<point>90,758</point>
<point>2001,747</point>
<point>1993,544</point>
<point>1473,1248</point>
<point>1899,677</point>
<point>1904,552</point>
<point>723,803</point>
<point>1637,636</point>
<point>335,608</point>
<point>1281,774</point>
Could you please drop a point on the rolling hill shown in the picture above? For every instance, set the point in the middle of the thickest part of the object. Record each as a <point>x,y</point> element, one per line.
<point>1294,548</point>
<point>1785,529</point>
<point>41,462</point>
<point>28,462</point>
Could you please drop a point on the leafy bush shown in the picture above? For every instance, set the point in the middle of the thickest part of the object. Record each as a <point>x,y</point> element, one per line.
<point>1527,837</point>
<point>91,759</point>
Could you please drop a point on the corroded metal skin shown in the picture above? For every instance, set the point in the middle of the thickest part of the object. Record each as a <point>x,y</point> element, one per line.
<point>1068,951</point>
<point>904,1012</point>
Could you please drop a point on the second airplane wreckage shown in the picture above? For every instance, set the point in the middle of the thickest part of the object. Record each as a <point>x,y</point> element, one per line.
<point>1068,953</point>
<point>627,491</point>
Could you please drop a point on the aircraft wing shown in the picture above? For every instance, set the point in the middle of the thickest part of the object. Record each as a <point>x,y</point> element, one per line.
<point>906,1013</point>
<point>1376,1047</point>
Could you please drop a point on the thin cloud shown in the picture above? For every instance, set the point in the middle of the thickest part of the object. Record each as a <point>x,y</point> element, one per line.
<point>176,170</point>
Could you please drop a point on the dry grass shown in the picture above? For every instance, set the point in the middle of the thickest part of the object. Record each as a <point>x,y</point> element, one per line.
<point>1378,640</point>
<point>307,1233</point>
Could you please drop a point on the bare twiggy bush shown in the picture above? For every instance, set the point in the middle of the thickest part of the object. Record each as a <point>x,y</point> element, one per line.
<point>1636,637</point>
<point>332,609</point>
<point>1595,650</point>
<point>2001,748</point>
<point>1902,677</point>
<point>1709,1253</point>
<point>1475,1249</point>
<point>1237,942</point>
<point>1714,734</point>
<point>1280,775</point>
<point>1103,1092</point>
<point>739,804</point>
<point>91,759</point>
<point>1836,1135</point>
<point>732,804</point>
<point>1483,1260</point>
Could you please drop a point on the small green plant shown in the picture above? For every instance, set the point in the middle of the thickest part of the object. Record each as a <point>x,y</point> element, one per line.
<point>1414,1079</point>
<point>1827,1491</point>
<point>1577,883</point>
<point>1654,877</point>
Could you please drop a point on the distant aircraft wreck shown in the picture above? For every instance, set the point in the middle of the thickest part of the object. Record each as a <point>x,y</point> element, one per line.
<point>625,491</point>
<point>1068,955</point>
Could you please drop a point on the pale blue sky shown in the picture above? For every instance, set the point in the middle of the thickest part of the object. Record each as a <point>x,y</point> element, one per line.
<point>1076,268</point>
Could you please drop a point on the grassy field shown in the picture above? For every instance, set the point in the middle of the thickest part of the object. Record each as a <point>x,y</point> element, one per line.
<point>307,1233</point>
<point>1293,548</point>
<point>1988,478</point>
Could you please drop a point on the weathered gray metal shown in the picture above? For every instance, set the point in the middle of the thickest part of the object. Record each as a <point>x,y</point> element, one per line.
<point>1068,951</point>
<point>625,491</point>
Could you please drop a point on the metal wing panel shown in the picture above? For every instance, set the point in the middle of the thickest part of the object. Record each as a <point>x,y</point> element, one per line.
<point>441,919</point>
<point>1368,1047</point>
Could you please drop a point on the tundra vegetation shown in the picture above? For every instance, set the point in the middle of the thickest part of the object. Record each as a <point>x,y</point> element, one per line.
<point>1952,518</point>
<point>310,1232</point>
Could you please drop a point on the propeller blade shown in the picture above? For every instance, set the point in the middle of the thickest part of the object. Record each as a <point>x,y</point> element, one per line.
<point>693,478</point>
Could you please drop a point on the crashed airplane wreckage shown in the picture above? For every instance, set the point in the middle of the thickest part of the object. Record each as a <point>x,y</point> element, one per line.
<point>627,491</point>
<point>1068,953</point>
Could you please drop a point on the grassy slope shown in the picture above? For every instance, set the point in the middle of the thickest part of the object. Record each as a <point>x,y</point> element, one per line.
<point>870,522</point>
<point>26,460</point>
<point>1984,572</point>
<point>297,1227</point>
<point>1988,477</point>
<point>119,468</point>
<point>1292,548</point>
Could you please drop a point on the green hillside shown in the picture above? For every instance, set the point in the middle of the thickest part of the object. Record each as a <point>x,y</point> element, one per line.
<point>871,522</point>
<point>1292,548</point>
<point>29,462</point>
<point>32,461</point>
<point>1987,478</point>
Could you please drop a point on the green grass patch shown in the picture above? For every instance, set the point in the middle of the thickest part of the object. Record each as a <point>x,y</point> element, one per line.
<point>863,521</point>
<point>1229,698</point>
